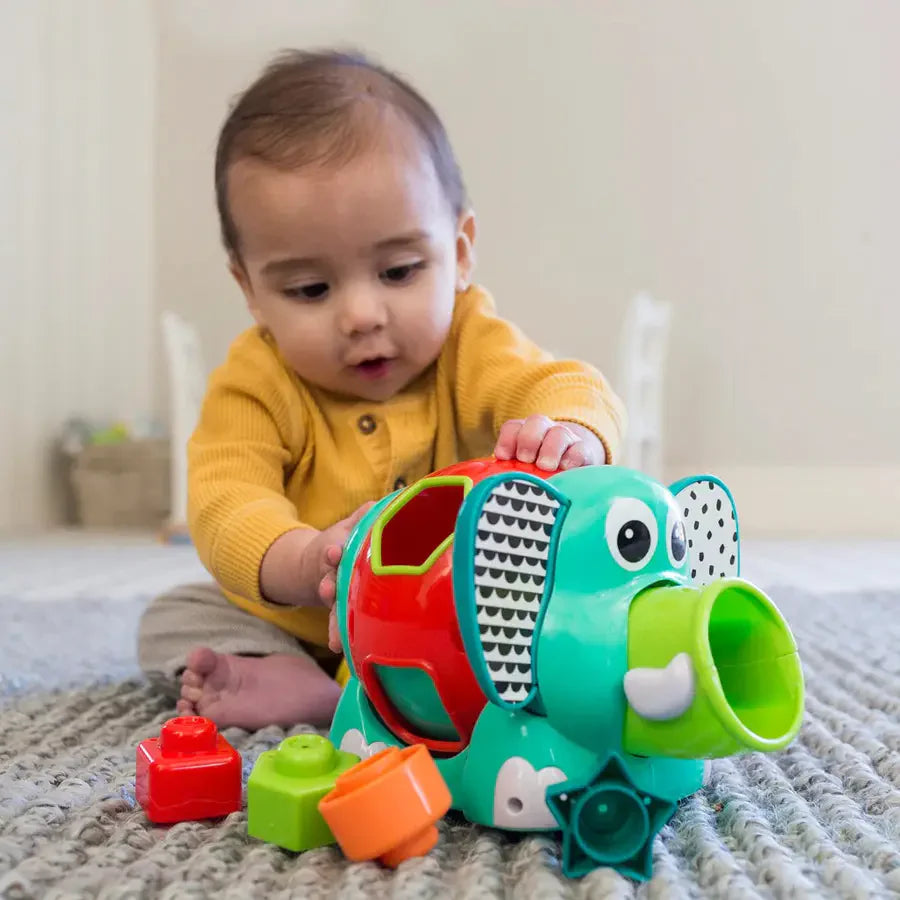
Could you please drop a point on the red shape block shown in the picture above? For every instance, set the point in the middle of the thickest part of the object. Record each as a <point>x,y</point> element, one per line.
<point>189,772</point>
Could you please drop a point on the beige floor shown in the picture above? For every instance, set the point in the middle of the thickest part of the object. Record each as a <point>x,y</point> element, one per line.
<point>823,566</point>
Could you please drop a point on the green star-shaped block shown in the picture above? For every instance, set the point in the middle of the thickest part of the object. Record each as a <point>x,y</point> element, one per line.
<point>607,821</point>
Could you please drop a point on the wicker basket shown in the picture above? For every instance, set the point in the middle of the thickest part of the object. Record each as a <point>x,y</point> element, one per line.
<point>123,485</point>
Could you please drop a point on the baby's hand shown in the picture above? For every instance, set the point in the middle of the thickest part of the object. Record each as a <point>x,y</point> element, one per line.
<point>551,445</point>
<point>332,543</point>
<point>300,568</point>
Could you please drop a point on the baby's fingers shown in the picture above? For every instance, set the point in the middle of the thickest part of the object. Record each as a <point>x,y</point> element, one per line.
<point>328,589</point>
<point>334,634</point>
<point>333,555</point>
<point>575,457</point>
<point>557,442</point>
<point>505,448</point>
<point>531,437</point>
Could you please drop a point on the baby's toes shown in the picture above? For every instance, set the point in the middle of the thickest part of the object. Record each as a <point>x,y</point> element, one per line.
<point>189,678</point>
<point>190,694</point>
<point>185,708</point>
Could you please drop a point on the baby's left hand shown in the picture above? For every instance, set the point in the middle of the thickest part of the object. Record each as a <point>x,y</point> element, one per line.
<point>551,445</point>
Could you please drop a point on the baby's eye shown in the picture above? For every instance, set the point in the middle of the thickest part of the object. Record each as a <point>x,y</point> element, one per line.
<point>401,274</point>
<point>307,291</point>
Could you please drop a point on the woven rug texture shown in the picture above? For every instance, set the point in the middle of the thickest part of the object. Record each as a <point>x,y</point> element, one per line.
<point>821,819</point>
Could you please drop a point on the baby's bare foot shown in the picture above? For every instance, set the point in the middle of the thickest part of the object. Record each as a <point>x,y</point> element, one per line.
<point>252,692</point>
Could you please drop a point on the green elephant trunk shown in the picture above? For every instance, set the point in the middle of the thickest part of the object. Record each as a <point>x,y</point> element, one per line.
<point>740,688</point>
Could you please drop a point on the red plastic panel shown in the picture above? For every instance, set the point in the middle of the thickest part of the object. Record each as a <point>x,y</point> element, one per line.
<point>410,621</point>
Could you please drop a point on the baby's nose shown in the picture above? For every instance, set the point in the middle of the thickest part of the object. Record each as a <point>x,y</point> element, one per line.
<point>363,311</point>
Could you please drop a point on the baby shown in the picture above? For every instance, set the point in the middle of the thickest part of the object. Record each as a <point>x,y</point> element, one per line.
<point>375,359</point>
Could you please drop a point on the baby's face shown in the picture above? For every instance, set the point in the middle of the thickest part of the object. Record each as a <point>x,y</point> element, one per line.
<point>353,269</point>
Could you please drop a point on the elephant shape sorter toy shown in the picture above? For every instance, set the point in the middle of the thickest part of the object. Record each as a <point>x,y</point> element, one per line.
<point>571,648</point>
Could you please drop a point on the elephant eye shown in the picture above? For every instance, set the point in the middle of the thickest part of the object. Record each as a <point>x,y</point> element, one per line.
<point>631,533</point>
<point>677,539</point>
<point>633,540</point>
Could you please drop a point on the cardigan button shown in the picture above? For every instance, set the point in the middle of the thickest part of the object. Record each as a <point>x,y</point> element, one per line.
<point>366,424</point>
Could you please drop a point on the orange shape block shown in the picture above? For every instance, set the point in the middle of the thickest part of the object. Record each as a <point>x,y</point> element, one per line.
<point>386,807</point>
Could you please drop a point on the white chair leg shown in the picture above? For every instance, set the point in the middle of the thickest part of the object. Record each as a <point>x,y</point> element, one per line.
<point>644,343</point>
<point>187,383</point>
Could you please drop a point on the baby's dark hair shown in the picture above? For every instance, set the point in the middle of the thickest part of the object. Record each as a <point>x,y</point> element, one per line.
<point>324,107</point>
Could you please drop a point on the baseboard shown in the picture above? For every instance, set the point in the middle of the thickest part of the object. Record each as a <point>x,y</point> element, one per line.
<point>811,501</point>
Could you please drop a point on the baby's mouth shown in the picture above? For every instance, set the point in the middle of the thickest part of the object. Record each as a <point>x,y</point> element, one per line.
<point>377,367</point>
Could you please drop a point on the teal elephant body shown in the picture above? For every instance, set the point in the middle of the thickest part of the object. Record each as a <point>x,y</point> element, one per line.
<point>571,648</point>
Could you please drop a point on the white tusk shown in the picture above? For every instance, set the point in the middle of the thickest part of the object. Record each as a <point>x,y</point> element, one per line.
<point>661,693</point>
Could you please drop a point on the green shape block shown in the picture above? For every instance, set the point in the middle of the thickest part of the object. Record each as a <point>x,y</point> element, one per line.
<point>285,787</point>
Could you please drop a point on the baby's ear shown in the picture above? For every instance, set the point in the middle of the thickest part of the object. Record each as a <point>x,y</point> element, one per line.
<point>465,250</point>
<point>239,274</point>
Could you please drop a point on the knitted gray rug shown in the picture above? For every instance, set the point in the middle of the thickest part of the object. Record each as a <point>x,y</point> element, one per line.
<point>821,819</point>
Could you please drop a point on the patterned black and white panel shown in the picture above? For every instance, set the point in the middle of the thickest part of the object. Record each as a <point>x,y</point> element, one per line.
<point>512,549</point>
<point>710,523</point>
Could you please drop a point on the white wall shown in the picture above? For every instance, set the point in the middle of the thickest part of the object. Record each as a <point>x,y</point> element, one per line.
<point>738,159</point>
<point>76,90</point>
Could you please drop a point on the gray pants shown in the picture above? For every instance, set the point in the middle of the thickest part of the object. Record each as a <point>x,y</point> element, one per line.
<point>200,615</point>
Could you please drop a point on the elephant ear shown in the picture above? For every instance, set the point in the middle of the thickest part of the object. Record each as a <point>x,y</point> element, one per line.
<point>711,526</point>
<point>504,549</point>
